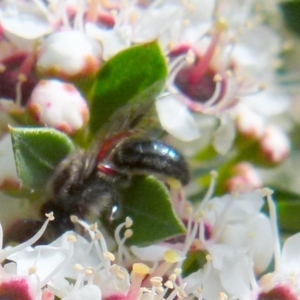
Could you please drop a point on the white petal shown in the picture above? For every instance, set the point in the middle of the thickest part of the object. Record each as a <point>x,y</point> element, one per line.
<point>111,40</point>
<point>176,119</point>
<point>44,258</point>
<point>235,276</point>
<point>153,253</point>
<point>88,292</point>
<point>224,135</point>
<point>268,102</point>
<point>290,259</point>
<point>79,255</point>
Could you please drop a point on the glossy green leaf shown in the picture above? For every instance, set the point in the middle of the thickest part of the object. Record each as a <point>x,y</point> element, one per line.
<point>291,13</point>
<point>124,78</point>
<point>147,203</point>
<point>37,152</point>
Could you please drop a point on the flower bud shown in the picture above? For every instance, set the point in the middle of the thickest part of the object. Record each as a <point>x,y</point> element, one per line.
<point>249,123</point>
<point>245,179</point>
<point>69,54</point>
<point>8,176</point>
<point>275,144</point>
<point>57,104</point>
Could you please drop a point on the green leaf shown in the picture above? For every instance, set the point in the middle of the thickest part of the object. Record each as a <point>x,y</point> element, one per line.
<point>194,261</point>
<point>291,14</point>
<point>37,152</point>
<point>147,203</point>
<point>289,216</point>
<point>123,78</point>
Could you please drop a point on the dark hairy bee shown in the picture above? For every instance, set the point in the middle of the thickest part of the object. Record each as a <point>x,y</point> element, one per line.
<point>89,182</point>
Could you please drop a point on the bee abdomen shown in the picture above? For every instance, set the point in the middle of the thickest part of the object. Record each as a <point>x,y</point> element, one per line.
<point>144,156</point>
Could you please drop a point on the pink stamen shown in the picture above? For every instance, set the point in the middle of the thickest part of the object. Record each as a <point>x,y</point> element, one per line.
<point>200,69</point>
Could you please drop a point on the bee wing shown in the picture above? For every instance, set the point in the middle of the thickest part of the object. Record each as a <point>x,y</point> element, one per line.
<point>134,117</point>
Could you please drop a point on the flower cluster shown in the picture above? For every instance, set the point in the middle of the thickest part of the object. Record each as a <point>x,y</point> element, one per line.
<point>236,239</point>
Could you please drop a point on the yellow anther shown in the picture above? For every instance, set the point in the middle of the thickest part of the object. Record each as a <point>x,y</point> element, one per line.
<point>71,238</point>
<point>171,256</point>
<point>140,268</point>
<point>221,25</point>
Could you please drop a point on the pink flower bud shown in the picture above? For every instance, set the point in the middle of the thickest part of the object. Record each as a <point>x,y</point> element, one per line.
<point>69,54</point>
<point>275,144</point>
<point>57,104</point>
<point>249,123</point>
<point>245,179</point>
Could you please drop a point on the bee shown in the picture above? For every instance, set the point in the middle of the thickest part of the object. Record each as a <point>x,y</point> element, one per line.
<point>88,182</point>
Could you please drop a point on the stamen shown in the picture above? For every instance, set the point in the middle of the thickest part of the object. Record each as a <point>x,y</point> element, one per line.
<point>222,296</point>
<point>122,251</point>
<point>109,256</point>
<point>190,237</point>
<point>170,257</point>
<point>78,19</point>
<point>92,11</point>
<point>6,252</point>
<point>178,291</point>
<point>169,284</point>
<point>128,222</point>
<point>209,192</point>
<point>274,227</point>
<point>78,283</point>
<point>156,281</point>
<point>179,62</point>
<point>139,271</point>
<point>200,69</point>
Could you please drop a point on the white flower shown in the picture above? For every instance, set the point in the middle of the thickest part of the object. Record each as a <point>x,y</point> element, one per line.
<point>23,22</point>
<point>58,104</point>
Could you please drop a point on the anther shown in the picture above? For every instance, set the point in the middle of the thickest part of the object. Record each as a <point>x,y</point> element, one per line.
<point>32,270</point>
<point>71,238</point>
<point>140,268</point>
<point>89,271</point>
<point>50,216</point>
<point>128,233</point>
<point>222,296</point>
<point>128,222</point>
<point>78,267</point>
<point>208,258</point>
<point>171,256</point>
<point>74,219</point>
<point>169,284</point>
<point>109,256</point>
<point>156,281</point>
